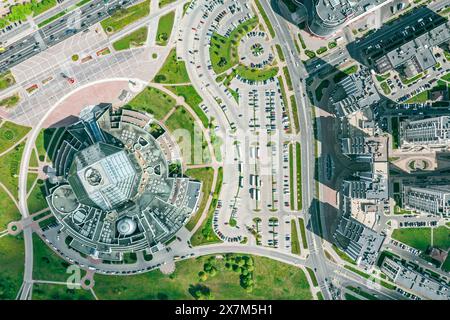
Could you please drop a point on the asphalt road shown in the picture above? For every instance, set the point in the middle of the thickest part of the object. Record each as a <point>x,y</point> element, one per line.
<point>59,30</point>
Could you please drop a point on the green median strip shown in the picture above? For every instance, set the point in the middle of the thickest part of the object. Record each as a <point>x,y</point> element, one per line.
<point>295,245</point>
<point>298,164</point>
<point>303,233</point>
<point>291,176</point>
<point>266,18</point>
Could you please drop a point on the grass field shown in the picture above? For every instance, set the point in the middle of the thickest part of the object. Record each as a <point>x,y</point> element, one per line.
<point>205,234</point>
<point>395,133</point>
<point>386,88</point>
<point>36,200</point>
<point>193,99</point>
<point>256,74</point>
<point>343,255</point>
<point>295,244</point>
<point>189,136</point>
<point>288,78</point>
<point>419,238</point>
<point>9,168</point>
<point>291,177</point>
<point>312,275</point>
<point>295,114</point>
<point>123,17</point>
<point>10,102</point>
<point>280,52</point>
<point>6,80</point>
<point>319,90</point>
<point>47,264</point>
<point>134,39</point>
<point>223,50</point>
<point>9,211</point>
<point>11,267</point>
<point>419,98</point>
<point>173,70</point>
<point>205,175</point>
<point>10,134</point>
<point>163,3</point>
<point>265,18</point>
<point>298,166</point>
<point>303,233</point>
<point>153,101</point>
<point>285,102</point>
<point>288,282</point>
<point>362,293</point>
<point>165,26</point>
<point>44,291</point>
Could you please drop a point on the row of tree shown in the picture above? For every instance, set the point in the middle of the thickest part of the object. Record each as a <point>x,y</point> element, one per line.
<point>19,12</point>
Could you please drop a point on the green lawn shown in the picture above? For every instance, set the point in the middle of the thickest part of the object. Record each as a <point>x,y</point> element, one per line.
<point>319,90</point>
<point>295,113</point>
<point>386,88</point>
<point>47,264</point>
<point>42,142</point>
<point>10,134</point>
<point>280,52</point>
<point>418,98</point>
<point>165,26</point>
<point>42,6</point>
<point>288,78</point>
<point>223,50</point>
<point>163,3</point>
<point>288,282</point>
<point>312,276</point>
<point>395,133</point>
<point>6,80</point>
<point>173,70</point>
<point>9,211</point>
<point>134,39</point>
<point>205,233</point>
<point>303,233</point>
<point>205,175</point>
<point>193,99</point>
<point>295,244</point>
<point>446,264</point>
<point>31,177</point>
<point>266,18</point>
<point>362,293</point>
<point>256,74</point>
<point>36,200</point>
<point>153,101</point>
<point>407,81</point>
<point>343,255</point>
<point>123,17</point>
<point>189,136</point>
<point>298,165</point>
<point>291,177</point>
<point>419,238</point>
<point>44,291</point>
<point>12,259</point>
<point>9,168</point>
<point>10,102</point>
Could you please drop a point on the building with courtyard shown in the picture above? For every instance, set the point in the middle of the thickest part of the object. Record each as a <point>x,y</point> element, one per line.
<point>117,189</point>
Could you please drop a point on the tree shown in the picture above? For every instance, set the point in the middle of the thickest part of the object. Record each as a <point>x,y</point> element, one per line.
<point>203,276</point>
